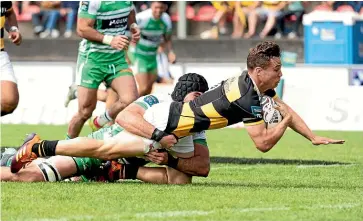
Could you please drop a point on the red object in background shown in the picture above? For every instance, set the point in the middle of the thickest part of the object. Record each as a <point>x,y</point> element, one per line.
<point>190,12</point>
<point>27,12</point>
<point>205,13</point>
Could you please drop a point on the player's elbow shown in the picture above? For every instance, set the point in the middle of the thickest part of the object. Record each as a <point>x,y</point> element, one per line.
<point>264,146</point>
<point>80,31</point>
<point>204,171</point>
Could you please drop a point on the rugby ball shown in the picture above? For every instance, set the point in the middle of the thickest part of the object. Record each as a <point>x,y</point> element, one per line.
<point>270,115</point>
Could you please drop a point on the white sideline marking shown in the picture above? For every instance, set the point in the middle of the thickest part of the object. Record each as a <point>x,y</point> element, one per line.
<point>187,213</point>
<point>263,166</point>
<point>174,213</point>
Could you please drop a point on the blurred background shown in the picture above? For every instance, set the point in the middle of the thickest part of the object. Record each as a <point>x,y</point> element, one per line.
<point>322,45</point>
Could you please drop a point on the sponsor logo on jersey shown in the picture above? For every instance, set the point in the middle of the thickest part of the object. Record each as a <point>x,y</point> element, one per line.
<point>114,23</point>
<point>256,111</point>
<point>151,100</point>
<point>84,5</point>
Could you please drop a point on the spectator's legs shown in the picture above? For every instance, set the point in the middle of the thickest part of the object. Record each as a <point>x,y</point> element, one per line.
<point>270,23</point>
<point>252,24</point>
<point>71,15</point>
<point>280,23</point>
<point>297,23</point>
<point>53,17</point>
<point>38,27</point>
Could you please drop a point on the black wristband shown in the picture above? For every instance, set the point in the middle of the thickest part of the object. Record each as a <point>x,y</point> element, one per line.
<point>158,135</point>
<point>172,161</point>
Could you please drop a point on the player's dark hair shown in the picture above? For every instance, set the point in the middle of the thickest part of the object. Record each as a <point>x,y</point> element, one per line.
<point>261,55</point>
<point>188,83</point>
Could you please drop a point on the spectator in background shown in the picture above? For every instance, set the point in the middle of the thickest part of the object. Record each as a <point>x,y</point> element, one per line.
<point>49,12</point>
<point>69,9</point>
<point>219,19</point>
<point>269,10</point>
<point>294,8</point>
<point>241,12</point>
<point>356,5</point>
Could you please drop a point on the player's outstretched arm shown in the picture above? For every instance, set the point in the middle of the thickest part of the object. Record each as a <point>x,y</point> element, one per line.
<point>265,138</point>
<point>299,126</point>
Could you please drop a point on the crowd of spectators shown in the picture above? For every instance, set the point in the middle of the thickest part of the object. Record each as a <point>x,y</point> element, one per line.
<point>278,19</point>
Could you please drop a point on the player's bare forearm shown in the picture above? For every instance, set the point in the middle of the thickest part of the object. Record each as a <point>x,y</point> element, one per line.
<point>273,135</point>
<point>135,123</point>
<point>298,124</point>
<point>264,138</point>
<point>85,30</point>
<point>198,165</point>
<point>11,20</point>
<point>169,43</point>
<point>132,18</point>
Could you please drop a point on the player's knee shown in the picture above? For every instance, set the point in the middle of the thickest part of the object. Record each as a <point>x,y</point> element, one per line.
<point>145,90</point>
<point>126,100</point>
<point>86,112</point>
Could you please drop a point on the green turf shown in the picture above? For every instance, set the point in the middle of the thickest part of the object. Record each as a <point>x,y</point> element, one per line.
<point>294,181</point>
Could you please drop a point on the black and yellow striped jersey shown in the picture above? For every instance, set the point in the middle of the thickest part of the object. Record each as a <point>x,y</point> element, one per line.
<point>234,100</point>
<point>5,7</point>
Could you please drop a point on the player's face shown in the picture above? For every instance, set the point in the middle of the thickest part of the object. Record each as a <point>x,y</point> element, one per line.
<point>157,9</point>
<point>272,74</point>
<point>191,96</point>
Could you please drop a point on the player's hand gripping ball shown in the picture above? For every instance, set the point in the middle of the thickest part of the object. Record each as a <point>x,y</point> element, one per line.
<point>270,114</point>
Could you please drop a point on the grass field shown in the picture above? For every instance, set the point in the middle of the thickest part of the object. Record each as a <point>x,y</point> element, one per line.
<point>294,181</point>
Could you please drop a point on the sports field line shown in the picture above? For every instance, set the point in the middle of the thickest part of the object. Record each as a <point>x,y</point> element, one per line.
<point>187,213</point>
<point>331,165</point>
<point>264,166</point>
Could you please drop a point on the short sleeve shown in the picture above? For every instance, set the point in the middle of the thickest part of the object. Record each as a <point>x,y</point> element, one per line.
<point>147,101</point>
<point>88,9</point>
<point>166,19</point>
<point>256,118</point>
<point>200,138</point>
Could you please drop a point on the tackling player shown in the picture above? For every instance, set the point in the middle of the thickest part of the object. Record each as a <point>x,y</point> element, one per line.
<point>101,57</point>
<point>192,152</point>
<point>9,88</point>
<point>236,99</point>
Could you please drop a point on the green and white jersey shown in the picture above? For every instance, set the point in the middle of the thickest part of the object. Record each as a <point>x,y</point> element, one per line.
<point>152,32</point>
<point>111,18</point>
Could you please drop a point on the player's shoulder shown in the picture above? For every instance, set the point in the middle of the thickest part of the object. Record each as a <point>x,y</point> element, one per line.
<point>152,99</point>
<point>165,17</point>
<point>146,14</point>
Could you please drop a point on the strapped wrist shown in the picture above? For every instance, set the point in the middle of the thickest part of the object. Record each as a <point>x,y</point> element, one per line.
<point>158,135</point>
<point>107,39</point>
<point>14,29</point>
<point>133,25</point>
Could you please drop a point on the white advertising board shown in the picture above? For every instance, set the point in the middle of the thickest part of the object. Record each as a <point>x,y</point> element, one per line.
<point>42,90</point>
<point>329,108</point>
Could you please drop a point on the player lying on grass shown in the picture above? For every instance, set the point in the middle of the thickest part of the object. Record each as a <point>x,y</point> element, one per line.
<point>236,99</point>
<point>192,152</point>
